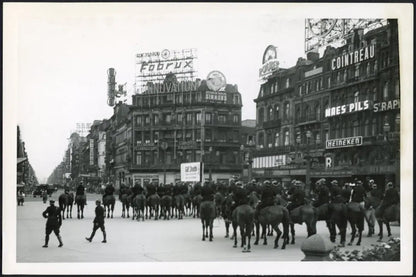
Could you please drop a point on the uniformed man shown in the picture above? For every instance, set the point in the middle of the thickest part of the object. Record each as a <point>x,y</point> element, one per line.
<point>346,191</point>
<point>81,191</point>
<point>297,198</point>
<point>109,190</point>
<point>239,195</point>
<point>335,190</point>
<point>375,191</point>
<point>54,222</point>
<point>358,194</point>
<point>322,194</point>
<point>98,222</point>
<point>207,192</point>
<point>391,197</point>
<point>267,197</point>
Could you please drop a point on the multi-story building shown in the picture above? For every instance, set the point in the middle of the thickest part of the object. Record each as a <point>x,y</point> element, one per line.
<point>335,116</point>
<point>185,122</point>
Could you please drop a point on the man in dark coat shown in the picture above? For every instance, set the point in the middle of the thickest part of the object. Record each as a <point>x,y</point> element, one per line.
<point>109,190</point>
<point>346,192</point>
<point>54,222</point>
<point>322,194</point>
<point>335,190</point>
<point>358,193</point>
<point>81,191</point>
<point>391,197</point>
<point>207,192</point>
<point>98,222</point>
<point>239,195</point>
<point>297,196</point>
<point>267,197</point>
<point>375,191</point>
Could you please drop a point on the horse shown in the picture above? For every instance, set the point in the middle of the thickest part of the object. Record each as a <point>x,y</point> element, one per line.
<point>179,206</point>
<point>338,216</point>
<point>165,206</point>
<point>20,200</point>
<point>80,200</point>
<point>243,217</point>
<point>124,198</point>
<point>273,215</point>
<point>227,213</point>
<point>66,201</point>
<point>207,218</point>
<point>196,202</point>
<point>188,203</point>
<point>356,218</point>
<point>219,200</point>
<point>370,205</point>
<point>138,205</point>
<point>153,202</point>
<point>303,214</point>
<point>390,214</point>
<point>109,202</point>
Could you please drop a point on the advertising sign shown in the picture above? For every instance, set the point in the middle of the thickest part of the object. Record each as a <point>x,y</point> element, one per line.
<point>216,80</point>
<point>214,96</point>
<point>344,142</point>
<point>353,57</point>
<point>386,105</point>
<point>348,108</point>
<point>191,172</point>
<point>91,151</point>
<point>270,62</point>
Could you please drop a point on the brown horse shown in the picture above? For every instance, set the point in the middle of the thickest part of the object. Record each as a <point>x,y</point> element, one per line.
<point>179,203</point>
<point>273,215</point>
<point>370,205</point>
<point>303,214</point>
<point>207,218</point>
<point>80,200</point>
<point>356,219</point>
<point>226,213</point>
<point>109,202</point>
<point>124,198</point>
<point>243,217</point>
<point>153,202</point>
<point>66,201</point>
<point>338,213</point>
<point>196,202</point>
<point>138,204</point>
<point>165,206</point>
<point>390,214</point>
<point>219,200</point>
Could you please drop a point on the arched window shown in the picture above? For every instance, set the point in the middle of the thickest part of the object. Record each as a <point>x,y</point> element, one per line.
<point>397,89</point>
<point>374,94</point>
<point>270,113</point>
<point>367,69</point>
<point>397,123</point>
<point>318,111</point>
<point>276,87</point>
<point>337,130</point>
<point>375,67</point>
<point>287,110</point>
<point>343,130</point>
<point>386,90</point>
<point>345,75</point>
<point>338,77</point>
<point>374,127</point>
<point>277,111</point>
<point>356,96</point>
<point>269,140</point>
<point>357,71</point>
<point>367,128</point>
<point>277,139</point>
<point>317,138</point>
<point>306,112</point>
<point>355,128</point>
<point>287,82</point>
<point>261,115</point>
<point>286,137</point>
<point>261,139</point>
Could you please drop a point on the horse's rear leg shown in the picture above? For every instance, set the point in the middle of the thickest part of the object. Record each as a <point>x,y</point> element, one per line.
<point>278,234</point>
<point>210,229</point>
<point>354,231</point>
<point>292,231</point>
<point>388,229</point>
<point>380,234</point>
<point>235,236</point>
<point>256,242</point>
<point>264,231</point>
<point>203,229</point>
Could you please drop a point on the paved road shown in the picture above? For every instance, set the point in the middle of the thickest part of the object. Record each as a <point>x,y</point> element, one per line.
<point>132,241</point>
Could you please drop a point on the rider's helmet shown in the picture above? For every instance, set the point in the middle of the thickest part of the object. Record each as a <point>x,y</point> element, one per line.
<point>390,184</point>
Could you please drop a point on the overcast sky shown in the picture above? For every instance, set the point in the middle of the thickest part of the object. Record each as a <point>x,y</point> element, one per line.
<point>64,51</point>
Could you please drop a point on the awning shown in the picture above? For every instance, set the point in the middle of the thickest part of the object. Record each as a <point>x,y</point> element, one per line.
<point>20,160</point>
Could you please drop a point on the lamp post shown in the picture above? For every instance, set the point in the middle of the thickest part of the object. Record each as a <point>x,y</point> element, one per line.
<point>250,159</point>
<point>210,163</point>
<point>308,163</point>
<point>164,146</point>
<point>386,129</point>
<point>242,160</point>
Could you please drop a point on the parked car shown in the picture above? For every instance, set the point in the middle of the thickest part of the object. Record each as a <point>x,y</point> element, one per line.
<point>44,187</point>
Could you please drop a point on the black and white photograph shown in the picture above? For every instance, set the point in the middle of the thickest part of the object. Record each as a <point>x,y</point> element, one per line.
<point>208,138</point>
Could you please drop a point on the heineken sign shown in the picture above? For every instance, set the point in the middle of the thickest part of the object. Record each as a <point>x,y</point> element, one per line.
<point>344,142</point>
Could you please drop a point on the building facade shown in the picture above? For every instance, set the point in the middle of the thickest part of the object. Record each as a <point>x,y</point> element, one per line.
<point>185,122</point>
<point>335,116</point>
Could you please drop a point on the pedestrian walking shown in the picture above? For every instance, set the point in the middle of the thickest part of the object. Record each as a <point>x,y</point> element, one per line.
<point>54,222</point>
<point>98,222</point>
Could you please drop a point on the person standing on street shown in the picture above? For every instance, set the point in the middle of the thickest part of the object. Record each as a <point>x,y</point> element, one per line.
<point>98,222</point>
<point>54,222</point>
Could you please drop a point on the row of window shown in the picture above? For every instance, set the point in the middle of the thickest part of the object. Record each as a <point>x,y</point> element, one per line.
<point>186,118</point>
<point>275,139</point>
<point>273,113</point>
<point>155,157</point>
<point>188,135</point>
<point>182,98</point>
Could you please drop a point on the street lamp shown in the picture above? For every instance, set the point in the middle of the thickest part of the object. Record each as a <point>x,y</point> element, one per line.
<point>308,163</point>
<point>386,129</point>
<point>242,160</point>
<point>210,163</point>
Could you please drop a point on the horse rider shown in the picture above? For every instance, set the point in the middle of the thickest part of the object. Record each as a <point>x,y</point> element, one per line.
<point>297,196</point>
<point>375,192</point>
<point>151,189</point>
<point>196,189</point>
<point>267,197</point>
<point>277,187</point>
<point>391,197</point>
<point>335,190</point>
<point>183,189</point>
<point>322,192</point>
<point>81,191</point>
<point>98,222</point>
<point>109,190</point>
<point>54,222</point>
<point>358,194</point>
<point>137,189</point>
<point>207,192</point>
<point>239,195</point>
<point>346,191</point>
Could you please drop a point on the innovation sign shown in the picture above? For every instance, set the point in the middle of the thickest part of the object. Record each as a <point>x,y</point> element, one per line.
<point>191,172</point>
<point>344,142</point>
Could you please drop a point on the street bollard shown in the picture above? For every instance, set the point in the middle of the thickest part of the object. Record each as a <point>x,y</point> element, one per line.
<point>317,248</point>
